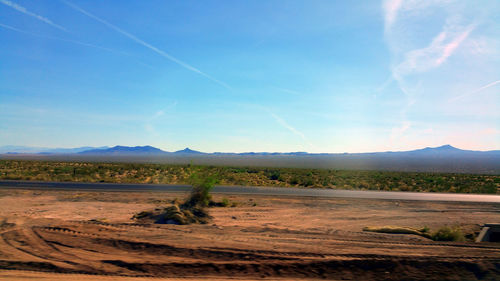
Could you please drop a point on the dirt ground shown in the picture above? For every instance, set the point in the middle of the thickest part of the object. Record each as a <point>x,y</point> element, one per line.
<point>66,235</point>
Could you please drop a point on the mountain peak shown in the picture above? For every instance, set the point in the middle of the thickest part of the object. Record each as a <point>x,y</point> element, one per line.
<point>444,150</point>
<point>187,150</point>
<point>445,147</point>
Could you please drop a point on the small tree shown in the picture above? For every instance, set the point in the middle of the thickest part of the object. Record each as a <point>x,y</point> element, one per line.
<point>203,182</point>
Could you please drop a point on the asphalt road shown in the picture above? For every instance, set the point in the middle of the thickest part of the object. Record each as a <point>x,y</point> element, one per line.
<point>271,191</point>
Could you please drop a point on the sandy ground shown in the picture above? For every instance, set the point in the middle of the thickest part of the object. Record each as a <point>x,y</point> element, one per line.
<point>65,235</point>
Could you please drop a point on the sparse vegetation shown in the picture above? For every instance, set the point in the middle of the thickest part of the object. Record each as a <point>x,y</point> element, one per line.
<point>193,210</point>
<point>203,182</point>
<point>447,233</point>
<point>398,230</point>
<point>224,202</point>
<point>444,233</point>
<point>286,177</point>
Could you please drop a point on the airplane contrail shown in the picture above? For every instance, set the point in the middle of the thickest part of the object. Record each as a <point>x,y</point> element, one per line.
<point>283,123</point>
<point>290,128</point>
<point>57,38</point>
<point>26,12</point>
<point>476,91</point>
<point>147,45</point>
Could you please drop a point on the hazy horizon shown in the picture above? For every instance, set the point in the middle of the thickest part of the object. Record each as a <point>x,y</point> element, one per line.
<point>263,76</point>
<point>42,149</point>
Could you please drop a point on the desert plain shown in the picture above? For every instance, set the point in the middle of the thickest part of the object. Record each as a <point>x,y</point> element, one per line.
<point>91,235</point>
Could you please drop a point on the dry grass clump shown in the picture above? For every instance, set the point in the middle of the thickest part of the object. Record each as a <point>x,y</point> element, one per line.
<point>398,230</point>
<point>174,215</point>
<point>445,233</point>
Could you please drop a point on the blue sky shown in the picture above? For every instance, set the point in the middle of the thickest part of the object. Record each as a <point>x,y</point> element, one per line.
<point>234,76</point>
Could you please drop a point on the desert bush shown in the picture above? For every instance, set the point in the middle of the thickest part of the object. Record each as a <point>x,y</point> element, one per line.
<point>202,183</point>
<point>448,234</point>
<point>294,181</point>
<point>274,175</point>
<point>224,202</point>
<point>425,229</point>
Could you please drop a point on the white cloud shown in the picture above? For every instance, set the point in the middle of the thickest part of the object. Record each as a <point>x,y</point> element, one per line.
<point>435,54</point>
<point>391,8</point>
<point>407,25</point>
<point>26,12</point>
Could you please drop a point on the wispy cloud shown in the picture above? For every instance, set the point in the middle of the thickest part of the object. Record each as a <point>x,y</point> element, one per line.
<point>391,8</point>
<point>449,48</point>
<point>149,123</point>
<point>283,123</point>
<point>435,54</point>
<point>383,86</point>
<point>290,128</point>
<point>75,42</point>
<point>12,28</point>
<point>398,132</point>
<point>288,91</point>
<point>26,12</point>
<point>399,17</point>
<point>475,91</point>
<point>146,44</point>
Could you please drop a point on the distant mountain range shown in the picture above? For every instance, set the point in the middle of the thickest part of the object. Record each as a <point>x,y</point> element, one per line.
<point>13,149</point>
<point>137,150</point>
<point>444,158</point>
<point>445,150</point>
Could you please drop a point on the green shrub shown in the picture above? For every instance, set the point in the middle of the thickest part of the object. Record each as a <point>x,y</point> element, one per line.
<point>425,229</point>
<point>275,175</point>
<point>202,183</point>
<point>448,234</point>
<point>224,202</point>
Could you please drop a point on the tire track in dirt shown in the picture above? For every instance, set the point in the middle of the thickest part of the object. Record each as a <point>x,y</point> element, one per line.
<point>320,237</point>
<point>160,249</point>
<point>67,231</point>
<point>55,248</point>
